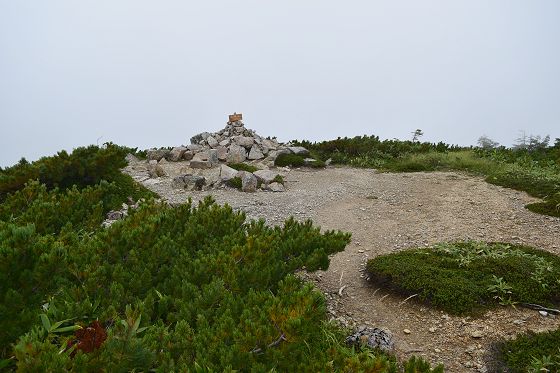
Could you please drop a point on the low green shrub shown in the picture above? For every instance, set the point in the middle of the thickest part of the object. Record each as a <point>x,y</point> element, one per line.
<point>278,179</point>
<point>235,182</point>
<point>531,352</point>
<point>468,277</point>
<point>291,160</point>
<point>243,167</point>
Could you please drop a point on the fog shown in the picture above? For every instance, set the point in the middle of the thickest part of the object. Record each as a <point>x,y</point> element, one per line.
<point>148,74</point>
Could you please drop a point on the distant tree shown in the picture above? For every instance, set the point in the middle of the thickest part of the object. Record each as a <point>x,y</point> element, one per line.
<point>531,142</point>
<point>487,143</point>
<point>416,135</point>
<point>557,142</point>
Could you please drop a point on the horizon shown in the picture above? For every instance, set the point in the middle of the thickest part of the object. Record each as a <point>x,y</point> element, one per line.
<point>147,75</point>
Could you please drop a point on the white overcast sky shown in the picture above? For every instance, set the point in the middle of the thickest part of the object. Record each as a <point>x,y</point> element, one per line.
<point>154,73</point>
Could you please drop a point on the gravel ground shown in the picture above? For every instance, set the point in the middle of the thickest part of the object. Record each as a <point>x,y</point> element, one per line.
<point>388,212</point>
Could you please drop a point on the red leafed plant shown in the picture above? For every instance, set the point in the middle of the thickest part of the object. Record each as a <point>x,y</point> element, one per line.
<point>89,338</point>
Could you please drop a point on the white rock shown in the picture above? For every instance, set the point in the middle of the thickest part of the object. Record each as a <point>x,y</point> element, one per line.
<point>255,153</point>
<point>227,173</point>
<point>266,176</point>
<point>212,142</point>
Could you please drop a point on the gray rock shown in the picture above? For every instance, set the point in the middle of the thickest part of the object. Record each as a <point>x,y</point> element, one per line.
<point>244,141</point>
<point>236,154</point>
<point>195,163</point>
<point>188,155</point>
<point>266,176</point>
<point>328,162</point>
<point>189,182</point>
<point>222,153</point>
<point>224,142</point>
<point>213,156</point>
<point>255,153</point>
<point>248,181</point>
<point>227,173</point>
<point>176,153</point>
<point>197,139</point>
<point>155,170</point>
<point>299,150</point>
<point>373,338</point>
<point>270,144</point>
<point>276,187</point>
<point>212,142</point>
<point>156,154</point>
<point>131,158</point>
<point>195,148</point>
<point>201,156</point>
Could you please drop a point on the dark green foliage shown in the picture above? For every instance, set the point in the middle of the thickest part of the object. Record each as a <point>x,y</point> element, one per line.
<point>278,179</point>
<point>292,160</point>
<point>243,167</point>
<point>235,182</point>
<point>550,206</point>
<point>175,288</point>
<point>84,166</point>
<point>531,352</point>
<point>467,277</point>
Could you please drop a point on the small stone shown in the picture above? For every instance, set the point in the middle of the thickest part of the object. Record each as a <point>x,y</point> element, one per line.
<point>432,330</point>
<point>406,331</point>
<point>477,334</point>
<point>437,350</point>
<point>543,313</point>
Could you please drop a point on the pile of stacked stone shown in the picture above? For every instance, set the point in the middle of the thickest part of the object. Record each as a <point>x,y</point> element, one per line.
<point>233,144</point>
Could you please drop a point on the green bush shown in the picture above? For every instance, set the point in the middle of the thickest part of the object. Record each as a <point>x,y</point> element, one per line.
<point>531,352</point>
<point>468,277</point>
<point>179,287</point>
<point>235,183</point>
<point>85,166</point>
<point>291,160</point>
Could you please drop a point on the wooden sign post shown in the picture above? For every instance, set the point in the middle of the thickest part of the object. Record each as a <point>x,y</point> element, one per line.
<point>235,117</point>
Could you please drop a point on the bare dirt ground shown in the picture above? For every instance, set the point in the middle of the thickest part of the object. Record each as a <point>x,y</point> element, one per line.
<point>390,212</point>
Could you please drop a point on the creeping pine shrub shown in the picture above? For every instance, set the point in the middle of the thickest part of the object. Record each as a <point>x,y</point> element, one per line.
<point>172,289</point>
<point>292,160</point>
<point>531,352</point>
<point>468,277</point>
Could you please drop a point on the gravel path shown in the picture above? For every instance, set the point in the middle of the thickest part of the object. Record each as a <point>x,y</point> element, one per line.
<point>388,212</point>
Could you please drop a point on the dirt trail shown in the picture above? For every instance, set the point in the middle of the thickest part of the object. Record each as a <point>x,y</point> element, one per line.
<point>391,212</point>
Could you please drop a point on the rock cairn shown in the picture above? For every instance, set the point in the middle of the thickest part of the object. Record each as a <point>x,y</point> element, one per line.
<point>233,144</point>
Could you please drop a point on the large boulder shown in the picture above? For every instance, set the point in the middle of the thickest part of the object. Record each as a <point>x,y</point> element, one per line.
<point>249,181</point>
<point>155,170</point>
<point>156,154</point>
<point>197,139</point>
<point>265,176</point>
<point>189,182</point>
<point>227,173</point>
<point>212,155</point>
<point>188,155</point>
<point>255,153</point>
<point>176,154</point>
<point>236,154</point>
<point>196,163</point>
<point>222,153</point>
<point>299,150</point>
<point>212,142</point>
<point>244,141</point>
